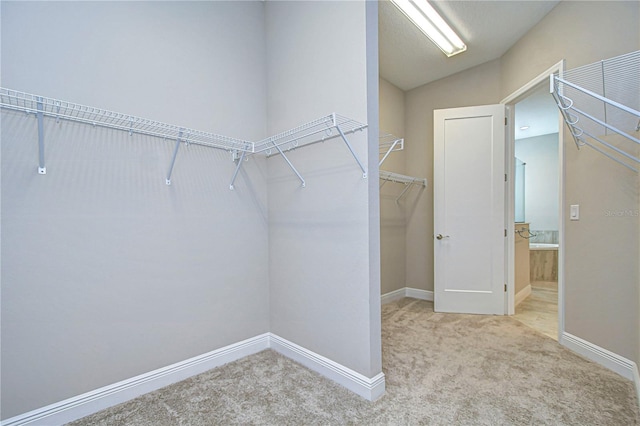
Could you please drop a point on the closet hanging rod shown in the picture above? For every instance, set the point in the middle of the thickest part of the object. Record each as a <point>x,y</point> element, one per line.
<point>58,109</point>
<point>595,95</point>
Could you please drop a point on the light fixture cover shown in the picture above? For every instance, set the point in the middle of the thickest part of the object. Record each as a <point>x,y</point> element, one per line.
<point>427,19</point>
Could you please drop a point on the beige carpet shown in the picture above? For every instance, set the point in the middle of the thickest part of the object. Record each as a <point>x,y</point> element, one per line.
<point>441,369</point>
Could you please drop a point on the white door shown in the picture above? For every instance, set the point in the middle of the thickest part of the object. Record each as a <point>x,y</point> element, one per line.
<point>469,210</point>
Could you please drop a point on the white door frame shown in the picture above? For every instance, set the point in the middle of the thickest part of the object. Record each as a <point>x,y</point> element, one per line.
<point>510,102</point>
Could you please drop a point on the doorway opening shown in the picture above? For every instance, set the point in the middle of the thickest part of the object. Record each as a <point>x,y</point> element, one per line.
<point>536,211</point>
<point>535,200</point>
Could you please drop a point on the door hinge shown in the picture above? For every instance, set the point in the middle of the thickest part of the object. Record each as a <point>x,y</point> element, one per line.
<point>505,232</point>
<point>505,177</point>
<point>505,288</point>
<point>505,121</point>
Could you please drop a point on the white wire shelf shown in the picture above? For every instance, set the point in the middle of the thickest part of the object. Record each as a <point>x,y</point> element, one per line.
<point>63,110</point>
<point>600,103</point>
<point>320,130</point>
<point>324,128</point>
<point>398,178</point>
<point>408,181</point>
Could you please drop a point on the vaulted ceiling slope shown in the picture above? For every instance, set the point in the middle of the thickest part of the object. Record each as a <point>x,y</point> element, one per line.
<point>408,59</point>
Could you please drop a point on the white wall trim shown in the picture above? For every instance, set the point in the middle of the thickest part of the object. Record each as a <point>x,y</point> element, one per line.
<point>626,368</point>
<point>368,388</point>
<point>523,91</point>
<point>97,400</point>
<point>392,296</point>
<point>415,293</point>
<point>523,294</point>
<point>636,380</point>
<point>108,396</point>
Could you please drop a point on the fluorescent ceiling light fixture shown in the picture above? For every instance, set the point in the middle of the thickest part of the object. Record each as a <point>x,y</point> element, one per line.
<point>425,17</point>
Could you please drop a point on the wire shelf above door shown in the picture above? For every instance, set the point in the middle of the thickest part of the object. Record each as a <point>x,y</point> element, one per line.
<point>600,103</point>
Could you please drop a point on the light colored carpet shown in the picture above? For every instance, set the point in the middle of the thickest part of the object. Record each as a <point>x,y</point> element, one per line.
<point>441,369</point>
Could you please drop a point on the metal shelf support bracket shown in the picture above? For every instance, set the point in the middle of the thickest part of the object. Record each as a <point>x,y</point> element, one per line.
<point>235,173</point>
<point>173,158</point>
<point>364,172</point>
<point>303,183</point>
<point>40,117</point>
<point>391,148</point>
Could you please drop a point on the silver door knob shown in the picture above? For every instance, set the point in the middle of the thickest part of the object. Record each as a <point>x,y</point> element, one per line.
<point>440,236</point>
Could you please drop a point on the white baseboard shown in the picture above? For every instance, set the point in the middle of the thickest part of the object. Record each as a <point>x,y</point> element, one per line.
<point>91,402</point>
<point>406,292</point>
<point>623,366</point>
<point>612,361</point>
<point>368,388</point>
<point>419,294</point>
<point>522,294</point>
<point>636,380</point>
<point>392,296</point>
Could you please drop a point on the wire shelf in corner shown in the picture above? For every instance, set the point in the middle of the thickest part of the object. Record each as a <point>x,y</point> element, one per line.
<point>319,130</point>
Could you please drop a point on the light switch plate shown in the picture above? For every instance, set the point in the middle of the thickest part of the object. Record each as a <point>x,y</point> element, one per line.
<point>574,214</point>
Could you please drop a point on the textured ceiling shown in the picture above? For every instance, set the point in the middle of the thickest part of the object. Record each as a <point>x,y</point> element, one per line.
<point>408,59</point>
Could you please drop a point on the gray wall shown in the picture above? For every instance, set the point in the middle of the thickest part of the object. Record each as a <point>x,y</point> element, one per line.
<point>323,294</point>
<point>392,214</point>
<point>108,273</point>
<point>601,268</point>
<point>477,86</point>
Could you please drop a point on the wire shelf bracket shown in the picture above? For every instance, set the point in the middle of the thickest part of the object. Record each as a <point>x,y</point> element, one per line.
<point>600,116</point>
<point>42,169</point>
<point>320,130</point>
<point>388,144</point>
<point>173,157</point>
